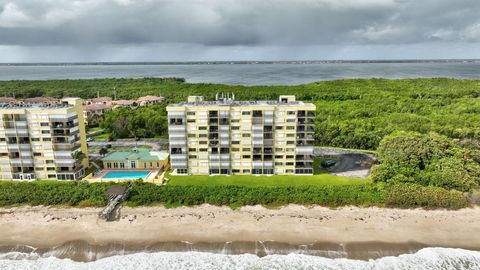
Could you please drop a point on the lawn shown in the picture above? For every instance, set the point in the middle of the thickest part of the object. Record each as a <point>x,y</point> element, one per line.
<point>264,181</point>
<point>102,136</point>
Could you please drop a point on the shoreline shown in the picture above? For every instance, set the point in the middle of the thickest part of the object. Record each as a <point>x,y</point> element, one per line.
<point>351,232</point>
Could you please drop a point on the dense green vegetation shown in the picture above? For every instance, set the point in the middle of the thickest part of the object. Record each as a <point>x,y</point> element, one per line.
<point>355,113</point>
<point>265,181</point>
<point>408,195</point>
<point>82,194</point>
<point>142,122</point>
<point>428,160</point>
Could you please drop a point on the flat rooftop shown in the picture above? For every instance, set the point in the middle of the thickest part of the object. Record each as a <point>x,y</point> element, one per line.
<point>41,106</point>
<point>241,103</point>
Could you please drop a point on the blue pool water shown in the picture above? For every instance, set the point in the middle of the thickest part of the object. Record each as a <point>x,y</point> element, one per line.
<point>126,174</point>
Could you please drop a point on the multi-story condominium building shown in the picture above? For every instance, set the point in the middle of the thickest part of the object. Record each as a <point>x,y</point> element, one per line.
<point>43,141</point>
<point>241,137</point>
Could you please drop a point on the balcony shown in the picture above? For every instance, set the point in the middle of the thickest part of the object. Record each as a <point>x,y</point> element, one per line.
<point>23,176</point>
<point>176,152</point>
<point>66,146</point>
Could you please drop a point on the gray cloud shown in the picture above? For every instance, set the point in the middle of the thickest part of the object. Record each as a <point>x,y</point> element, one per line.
<point>203,26</point>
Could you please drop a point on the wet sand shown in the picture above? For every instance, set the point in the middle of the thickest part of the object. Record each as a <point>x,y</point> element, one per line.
<point>350,232</point>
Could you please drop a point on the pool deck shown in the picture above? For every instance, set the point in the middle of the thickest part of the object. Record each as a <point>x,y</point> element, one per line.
<point>154,176</point>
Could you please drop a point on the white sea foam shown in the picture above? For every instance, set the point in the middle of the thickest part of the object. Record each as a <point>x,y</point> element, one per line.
<point>427,258</point>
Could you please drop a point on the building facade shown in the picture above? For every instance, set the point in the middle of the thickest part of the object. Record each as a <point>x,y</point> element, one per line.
<point>241,137</point>
<point>136,159</point>
<point>43,141</point>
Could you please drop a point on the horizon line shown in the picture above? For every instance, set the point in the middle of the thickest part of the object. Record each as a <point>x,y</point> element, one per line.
<point>244,61</point>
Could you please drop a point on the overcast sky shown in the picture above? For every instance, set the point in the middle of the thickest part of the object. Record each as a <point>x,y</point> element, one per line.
<point>194,30</point>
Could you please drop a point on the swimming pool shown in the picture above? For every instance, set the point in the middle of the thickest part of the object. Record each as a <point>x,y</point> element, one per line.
<point>126,175</point>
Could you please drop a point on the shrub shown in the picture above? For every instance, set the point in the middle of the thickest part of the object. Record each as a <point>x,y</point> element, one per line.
<point>413,196</point>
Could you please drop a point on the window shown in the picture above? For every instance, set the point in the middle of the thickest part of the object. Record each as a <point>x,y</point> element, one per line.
<point>144,164</point>
<point>235,121</point>
<point>289,163</point>
<point>190,120</point>
<point>202,135</point>
<point>192,135</point>
<point>203,149</point>
<point>182,171</point>
<point>50,168</point>
<point>291,112</point>
<point>235,149</point>
<point>115,165</point>
<point>133,164</point>
<point>122,165</point>
<point>290,135</point>
<point>246,113</point>
<point>109,165</point>
<point>45,131</point>
<point>202,142</point>
<point>49,161</point>
<point>32,139</point>
<point>235,128</point>
<point>290,127</point>
<point>278,163</point>
<point>246,135</point>
<point>37,154</point>
<point>290,156</point>
<point>246,171</point>
<point>235,142</point>
<point>246,156</point>
<point>190,113</point>
<point>192,150</point>
<point>290,120</point>
<point>290,142</point>
<point>246,149</point>
<point>192,156</point>
<point>278,156</point>
<point>202,128</point>
<point>43,124</point>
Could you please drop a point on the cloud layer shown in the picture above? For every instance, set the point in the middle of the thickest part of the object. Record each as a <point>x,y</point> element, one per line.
<point>201,27</point>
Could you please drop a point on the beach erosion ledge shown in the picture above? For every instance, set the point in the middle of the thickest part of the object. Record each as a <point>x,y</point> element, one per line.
<point>350,232</point>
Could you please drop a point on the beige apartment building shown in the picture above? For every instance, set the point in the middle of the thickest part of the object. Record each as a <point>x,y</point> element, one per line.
<point>43,141</point>
<point>241,137</point>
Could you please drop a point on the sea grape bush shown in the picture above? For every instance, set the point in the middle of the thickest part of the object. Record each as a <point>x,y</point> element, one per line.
<point>82,194</point>
<point>428,160</point>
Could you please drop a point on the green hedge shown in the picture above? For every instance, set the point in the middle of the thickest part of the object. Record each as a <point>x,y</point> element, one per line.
<point>83,194</point>
<point>333,196</point>
<point>53,193</point>
<point>414,196</point>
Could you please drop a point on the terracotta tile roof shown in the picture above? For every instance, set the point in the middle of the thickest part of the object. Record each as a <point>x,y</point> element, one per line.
<point>151,98</point>
<point>7,100</point>
<point>95,107</point>
<point>123,102</point>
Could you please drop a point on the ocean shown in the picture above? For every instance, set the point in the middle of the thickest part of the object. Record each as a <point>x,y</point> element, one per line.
<point>424,259</point>
<point>247,73</point>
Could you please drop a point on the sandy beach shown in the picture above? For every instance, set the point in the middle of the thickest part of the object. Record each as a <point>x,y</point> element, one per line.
<point>291,225</point>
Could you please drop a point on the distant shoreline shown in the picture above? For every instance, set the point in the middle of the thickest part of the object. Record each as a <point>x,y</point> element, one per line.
<point>242,62</point>
<point>363,231</point>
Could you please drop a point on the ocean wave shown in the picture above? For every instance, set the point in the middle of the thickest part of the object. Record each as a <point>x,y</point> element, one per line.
<point>427,258</point>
